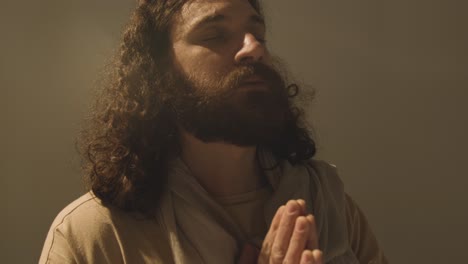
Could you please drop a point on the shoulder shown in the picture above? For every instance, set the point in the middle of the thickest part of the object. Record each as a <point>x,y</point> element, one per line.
<point>322,167</point>
<point>76,227</point>
<point>85,214</point>
<point>87,231</point>
<point>325,175</point>
<point>327,186</point>
<point>346,215</point>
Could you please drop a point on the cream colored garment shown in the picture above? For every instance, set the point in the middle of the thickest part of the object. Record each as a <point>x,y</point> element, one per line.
<point>196,223</point>
<point>247,210</point>
<point>86,232</point>
<point>193,228</point>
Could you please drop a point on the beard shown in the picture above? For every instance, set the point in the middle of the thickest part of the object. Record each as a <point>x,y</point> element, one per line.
<point>219,108</point>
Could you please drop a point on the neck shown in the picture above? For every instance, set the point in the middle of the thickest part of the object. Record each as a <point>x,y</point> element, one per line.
<point>222,169</point>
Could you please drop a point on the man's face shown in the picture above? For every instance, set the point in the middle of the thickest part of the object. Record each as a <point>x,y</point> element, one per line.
<point>228,93</point>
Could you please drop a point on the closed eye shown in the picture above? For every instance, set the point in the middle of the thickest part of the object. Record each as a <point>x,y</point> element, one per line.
<point>218,37</point>
<point>261,40</point>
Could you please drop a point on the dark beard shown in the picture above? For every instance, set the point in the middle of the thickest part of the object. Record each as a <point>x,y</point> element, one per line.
<point>220,111</point>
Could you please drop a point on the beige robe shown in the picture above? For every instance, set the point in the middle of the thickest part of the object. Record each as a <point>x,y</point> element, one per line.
<point>192,228</point>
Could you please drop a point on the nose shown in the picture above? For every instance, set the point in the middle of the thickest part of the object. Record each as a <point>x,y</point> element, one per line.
<point>252,50</point>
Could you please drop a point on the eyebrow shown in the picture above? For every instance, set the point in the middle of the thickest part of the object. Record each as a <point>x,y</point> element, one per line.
<point>217,18</point>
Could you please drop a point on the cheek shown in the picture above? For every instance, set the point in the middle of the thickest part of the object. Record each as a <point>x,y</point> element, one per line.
<point>203,67</point>
<point>201,60</point>
<point>208,71</point>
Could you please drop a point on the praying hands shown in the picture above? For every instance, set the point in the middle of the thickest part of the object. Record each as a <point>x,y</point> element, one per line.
<point>292,238</point>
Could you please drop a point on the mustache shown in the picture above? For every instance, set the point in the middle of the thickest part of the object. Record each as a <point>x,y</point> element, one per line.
<point>242,73</point>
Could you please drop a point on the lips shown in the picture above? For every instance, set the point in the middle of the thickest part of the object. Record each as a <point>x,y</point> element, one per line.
<point>254,80</point>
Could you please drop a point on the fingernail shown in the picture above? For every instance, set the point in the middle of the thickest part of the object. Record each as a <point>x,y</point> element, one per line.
<point>292,208</point>
<point>317,254</point>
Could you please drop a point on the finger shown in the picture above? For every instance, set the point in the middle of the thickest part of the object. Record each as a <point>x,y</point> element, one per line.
<point>303,206</point>
<point>284,232</point>
<point>274,225</point>
<point>307,257</point>
<point>298,240</point>
<point>318,256</point>
<point>270,236</point>
<point>312,242</point>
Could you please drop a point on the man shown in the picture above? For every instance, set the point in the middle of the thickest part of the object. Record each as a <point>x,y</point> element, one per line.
<point>196,154</point>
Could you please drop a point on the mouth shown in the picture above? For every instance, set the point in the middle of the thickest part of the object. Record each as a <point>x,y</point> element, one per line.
<point>253,81</point>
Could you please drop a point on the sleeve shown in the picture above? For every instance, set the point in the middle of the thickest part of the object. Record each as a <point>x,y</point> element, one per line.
<point>82,239</point>
<point>56,249</point>
<point>361,238</point>
<point>83,232</point>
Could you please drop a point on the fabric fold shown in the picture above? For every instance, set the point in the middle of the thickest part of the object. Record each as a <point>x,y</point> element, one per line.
<point>201,231</point>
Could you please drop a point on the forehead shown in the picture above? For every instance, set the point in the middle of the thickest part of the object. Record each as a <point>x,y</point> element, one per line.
<point>195,12</point>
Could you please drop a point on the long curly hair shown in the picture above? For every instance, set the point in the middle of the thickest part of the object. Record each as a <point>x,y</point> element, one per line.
<point>132,134</point>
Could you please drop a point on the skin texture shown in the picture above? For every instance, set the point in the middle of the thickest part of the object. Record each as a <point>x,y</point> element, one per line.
<point>215,48</point>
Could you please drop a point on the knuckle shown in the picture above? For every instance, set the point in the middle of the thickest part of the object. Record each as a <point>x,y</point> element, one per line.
<point>265,248</point>
<point>301,225</point>
<point>277,255</point>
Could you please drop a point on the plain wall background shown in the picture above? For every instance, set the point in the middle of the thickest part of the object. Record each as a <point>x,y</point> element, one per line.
<point>390,110</point>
